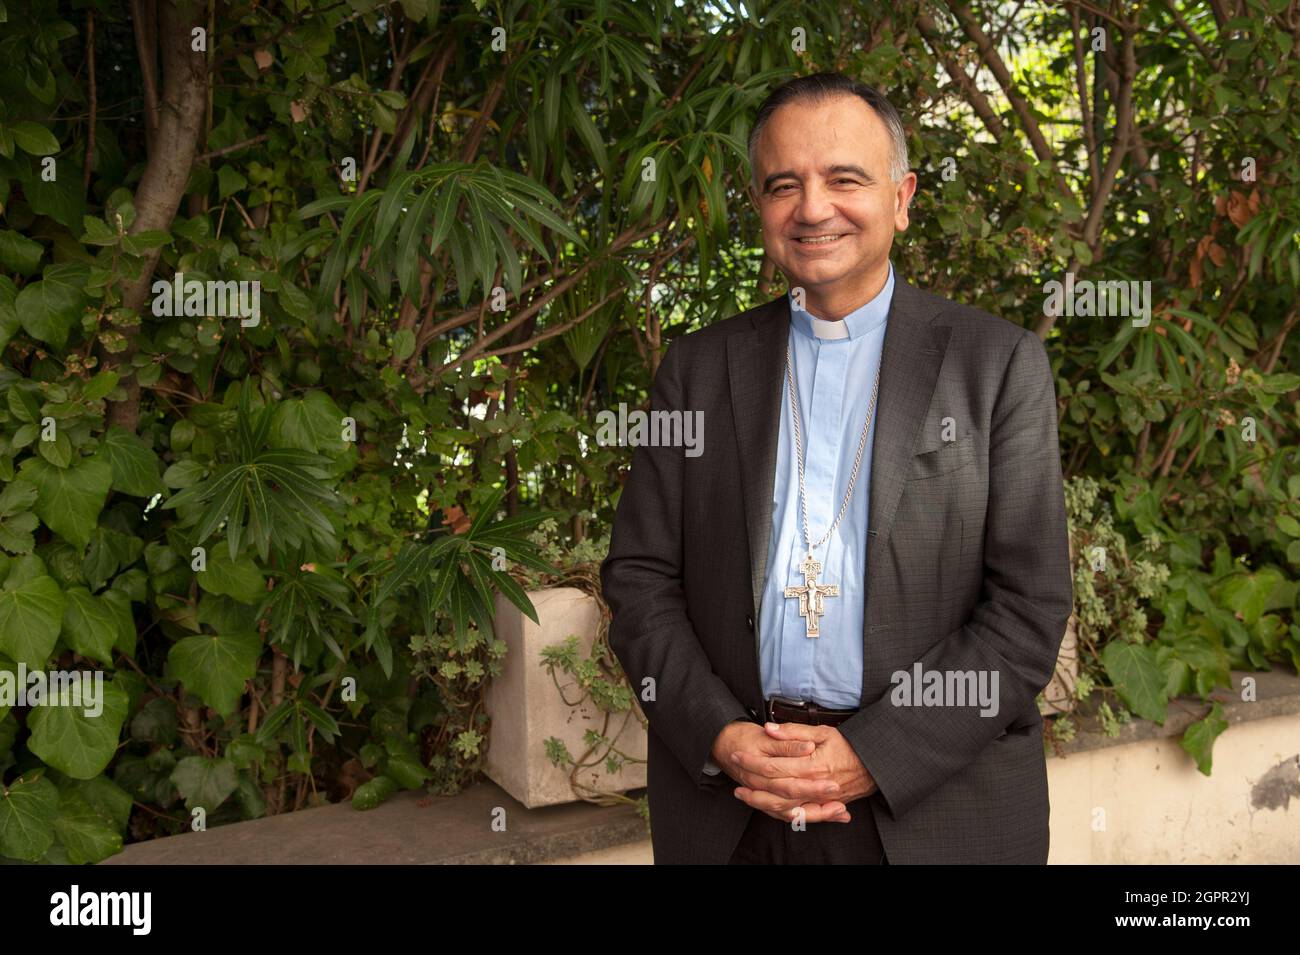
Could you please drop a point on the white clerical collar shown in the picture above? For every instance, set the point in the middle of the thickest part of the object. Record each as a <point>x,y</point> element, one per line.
<point>824,329</point>
<point>860,322</point>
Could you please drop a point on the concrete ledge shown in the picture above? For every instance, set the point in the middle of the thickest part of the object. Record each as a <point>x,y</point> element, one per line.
<point>1132,799</point>
<point>409,829</point>
<point>1277,693</point>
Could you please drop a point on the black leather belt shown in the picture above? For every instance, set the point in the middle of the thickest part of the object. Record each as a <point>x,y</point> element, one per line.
<point>781,710</point>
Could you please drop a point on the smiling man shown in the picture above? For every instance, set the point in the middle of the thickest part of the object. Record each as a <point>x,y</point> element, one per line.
<point>875,530</point>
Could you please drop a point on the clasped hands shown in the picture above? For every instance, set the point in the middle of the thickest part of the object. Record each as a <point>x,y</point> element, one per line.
<point>785,767</point>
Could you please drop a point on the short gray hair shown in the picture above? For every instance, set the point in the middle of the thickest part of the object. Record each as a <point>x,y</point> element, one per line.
<point>819,87</point>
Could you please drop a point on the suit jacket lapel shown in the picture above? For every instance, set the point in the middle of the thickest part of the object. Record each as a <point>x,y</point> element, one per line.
<point>756,369</point>
<point>913,353</point>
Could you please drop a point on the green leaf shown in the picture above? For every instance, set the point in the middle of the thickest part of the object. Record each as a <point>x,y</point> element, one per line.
<point>205,783</point>
<point>27,812</point>
<point>31,615</point>
<point>109,550</point>
<point>516,594</point>
<point>1133,670</point>
<point>320,206</point>
<point>408,245</point>
<point>311,423</point>
<point>371,794</point>
<point>415,10</point>
<point>16,520</point>
<point>1281,384</point>
<point>403,345</point>
<point>324,723</point>
<point>97,232</point>
<point>407,772</point>
<point>1198,739</point>
<point>48,309</point>
<point>390,207</point>
<point>19,253</point>
<point>156,722</point>
<point>60,199</point>
<point>183,474</point>
<point>105,797</point>
<point>120,604</point>
<point>99,386</point>
<point>75,743</point>
<point>296,302</point>
<point>90,625</point>
<point>215,668</point>
<point>1247,595</point>
<point>135,465</point>
<point>273,722</point>
<point>9,321</point>
<point>586,129</point>
<point>57,451</point>
<point>238,579</point>
<point>85,833</point>
<point>34,138</point>
<point>229,182</point>
<point>69,499</point>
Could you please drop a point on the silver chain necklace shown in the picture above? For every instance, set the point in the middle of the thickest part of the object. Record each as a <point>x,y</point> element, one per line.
<point>811,594</point>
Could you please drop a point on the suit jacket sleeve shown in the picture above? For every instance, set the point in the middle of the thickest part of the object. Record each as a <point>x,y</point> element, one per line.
<point>1017,626</point>
<point>641,579</point>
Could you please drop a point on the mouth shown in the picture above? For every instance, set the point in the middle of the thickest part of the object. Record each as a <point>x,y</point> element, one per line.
<point>820,240</point>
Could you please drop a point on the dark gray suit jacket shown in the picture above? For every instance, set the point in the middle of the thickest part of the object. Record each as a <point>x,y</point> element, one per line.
<point>967,569</point>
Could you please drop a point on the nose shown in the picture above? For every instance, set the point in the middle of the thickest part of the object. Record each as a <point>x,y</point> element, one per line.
<point>815,204</point>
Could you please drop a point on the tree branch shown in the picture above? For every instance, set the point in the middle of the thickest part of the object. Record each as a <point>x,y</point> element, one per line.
<point>158,196</point>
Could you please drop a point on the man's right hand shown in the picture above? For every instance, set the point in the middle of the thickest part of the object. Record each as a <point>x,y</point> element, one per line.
<point>814,793</point>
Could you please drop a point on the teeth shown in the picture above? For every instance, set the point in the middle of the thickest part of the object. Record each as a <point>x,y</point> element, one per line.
<point>820,240</point>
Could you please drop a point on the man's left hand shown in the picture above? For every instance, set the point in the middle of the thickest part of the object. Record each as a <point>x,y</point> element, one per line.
<point>832,755</point>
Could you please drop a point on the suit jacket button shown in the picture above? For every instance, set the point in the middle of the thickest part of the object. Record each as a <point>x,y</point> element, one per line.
<point>749,621</point>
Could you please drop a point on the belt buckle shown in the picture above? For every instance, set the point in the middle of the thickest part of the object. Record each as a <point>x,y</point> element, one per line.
<point>797,704</point>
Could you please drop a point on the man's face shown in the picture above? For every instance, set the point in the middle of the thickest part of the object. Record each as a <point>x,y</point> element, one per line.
<point>828,206</point>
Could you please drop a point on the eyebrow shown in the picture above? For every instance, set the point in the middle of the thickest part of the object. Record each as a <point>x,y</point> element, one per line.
<point>830,171</point>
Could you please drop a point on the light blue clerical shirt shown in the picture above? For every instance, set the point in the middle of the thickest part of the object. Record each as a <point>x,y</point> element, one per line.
<point>835,365</point>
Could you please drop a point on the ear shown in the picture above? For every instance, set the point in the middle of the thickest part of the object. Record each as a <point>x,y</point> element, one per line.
<point>903,193</point>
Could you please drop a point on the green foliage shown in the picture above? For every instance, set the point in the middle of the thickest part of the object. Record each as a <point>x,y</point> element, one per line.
<point>1153,635</point>
<point>283,542</point>
<point>598,680</point>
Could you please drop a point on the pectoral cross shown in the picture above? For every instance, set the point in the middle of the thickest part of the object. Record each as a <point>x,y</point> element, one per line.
<point>811,593</point>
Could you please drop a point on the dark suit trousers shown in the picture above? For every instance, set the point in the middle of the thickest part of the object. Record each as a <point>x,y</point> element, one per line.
<point>768,841</point>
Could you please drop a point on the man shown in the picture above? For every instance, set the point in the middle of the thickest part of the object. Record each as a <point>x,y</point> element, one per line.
<point>839,614</point>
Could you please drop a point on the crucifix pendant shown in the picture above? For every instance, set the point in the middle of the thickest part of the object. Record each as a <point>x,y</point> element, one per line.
<point>810,595</point>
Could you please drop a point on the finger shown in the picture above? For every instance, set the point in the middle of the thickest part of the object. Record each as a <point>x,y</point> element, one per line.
<point>800,790</point>
<point>793,778</point>
<point>778,767</point>
<point>790,811</point>
<point>781,747</point>
<point>826,812</point>
<point>767,802</point>
<point>798,731</point>
<point>757,783</point>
